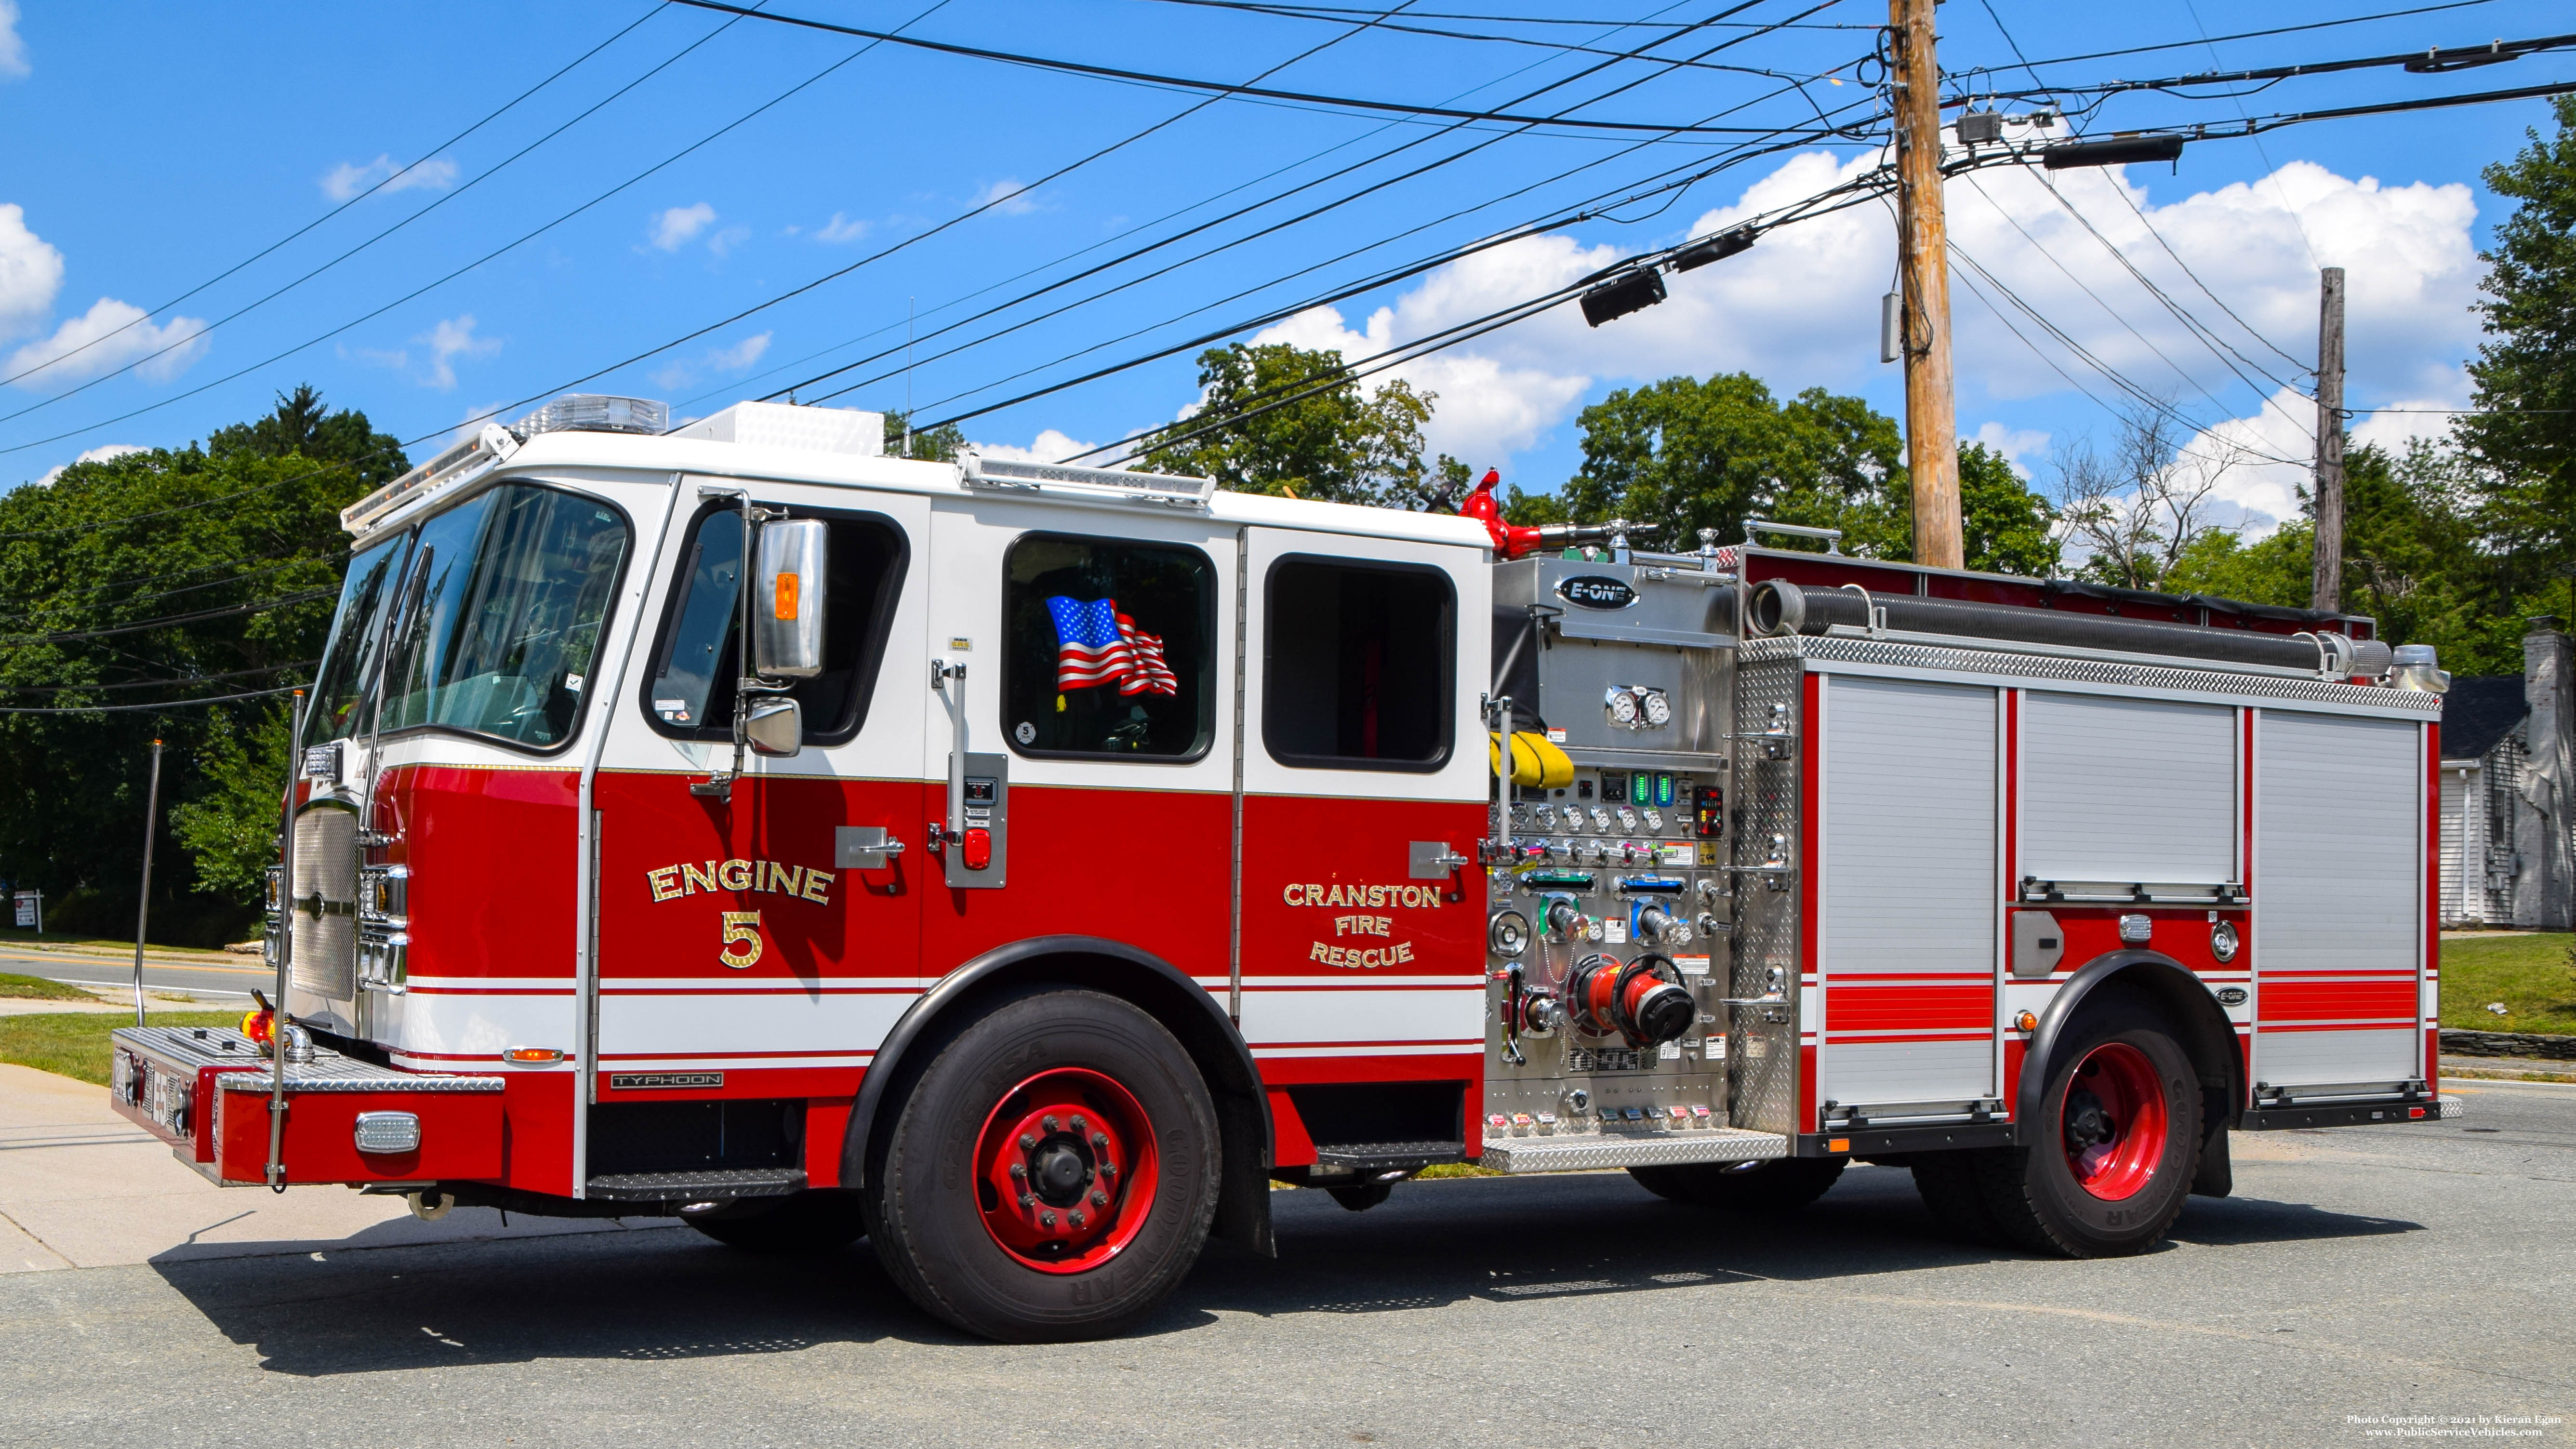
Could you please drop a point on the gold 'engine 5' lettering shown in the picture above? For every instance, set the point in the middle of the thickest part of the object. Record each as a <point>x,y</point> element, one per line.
<point>736,877</point>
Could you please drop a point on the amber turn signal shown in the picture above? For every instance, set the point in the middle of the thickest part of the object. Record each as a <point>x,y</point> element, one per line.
<point>785,602</point>
<point>2025,1022</point>
<point>533,1056</point>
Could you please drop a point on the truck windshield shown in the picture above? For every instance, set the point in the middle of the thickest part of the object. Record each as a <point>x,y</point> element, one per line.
<point>499,612</point>
<point>345,690</point>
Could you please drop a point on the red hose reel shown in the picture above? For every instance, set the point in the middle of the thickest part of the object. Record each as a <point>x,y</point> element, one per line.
<point>1643,1001</point>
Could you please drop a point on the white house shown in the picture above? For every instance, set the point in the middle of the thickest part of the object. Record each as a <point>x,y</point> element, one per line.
<point>2509,791</point>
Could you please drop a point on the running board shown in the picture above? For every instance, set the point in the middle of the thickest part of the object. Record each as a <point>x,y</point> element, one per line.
<point>1595,1150</point>
<point>722,1185</point>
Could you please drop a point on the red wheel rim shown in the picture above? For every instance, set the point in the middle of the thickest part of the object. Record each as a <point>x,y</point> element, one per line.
<point>2112,1121</point>
<point>1065,1170</point>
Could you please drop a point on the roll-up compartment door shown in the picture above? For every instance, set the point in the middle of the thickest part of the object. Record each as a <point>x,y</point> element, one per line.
<point>2128,791</point>
<point>1909,893</point>
<point>2338,900</point>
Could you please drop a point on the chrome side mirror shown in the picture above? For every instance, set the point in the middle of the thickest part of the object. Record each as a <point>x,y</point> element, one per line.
<point>787,600</point>
<point>774,725</point>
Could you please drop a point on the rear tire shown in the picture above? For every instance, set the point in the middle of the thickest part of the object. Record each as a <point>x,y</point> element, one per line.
<point>1781,1185</point>
<point>1115,1139</point>
<point>2117,1141</point>
<point>806,1224</point>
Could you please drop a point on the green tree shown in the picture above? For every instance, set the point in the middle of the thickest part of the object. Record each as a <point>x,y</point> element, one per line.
<point>160,578</point>
<point>302,426</point>
<point>2525,373</point>
<point>1684,455</point>
<point>1334,442</point>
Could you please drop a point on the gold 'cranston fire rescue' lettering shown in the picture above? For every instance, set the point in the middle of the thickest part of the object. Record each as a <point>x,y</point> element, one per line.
<point>766,877</point>
<point>1358,898</point>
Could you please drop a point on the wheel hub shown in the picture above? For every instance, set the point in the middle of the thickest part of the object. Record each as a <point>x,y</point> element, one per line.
<point>2112,1122</point>
<point>1066,1170</point>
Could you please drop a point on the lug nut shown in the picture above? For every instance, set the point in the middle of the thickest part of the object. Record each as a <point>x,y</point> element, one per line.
<point>1028,1143</point>
<point>1046,1220</point>
<point>1080,1126</point>
<point>1099,1198</point>
<point>1048,1122</point>
<point>1100,1140</point>
<point>1109,1169</point>
<point>1019,1170</point>
<point>1027,1200</point>
<point>1075,1217</point>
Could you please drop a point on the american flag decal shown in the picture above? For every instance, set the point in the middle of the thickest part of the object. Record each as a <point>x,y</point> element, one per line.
<point>1096,644</point>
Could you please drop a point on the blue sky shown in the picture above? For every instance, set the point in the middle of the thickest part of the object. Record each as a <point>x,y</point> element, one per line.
<point>154,146</point>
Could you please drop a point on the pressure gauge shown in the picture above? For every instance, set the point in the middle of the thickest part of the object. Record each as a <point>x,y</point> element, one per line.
<point>1622,705</point>
<point>1508,934</point>
<point>1600,819</point>
<point>1655,821</point>
<point>1545,815</point>
<point>1627,818</point>
<point>1657,709</point>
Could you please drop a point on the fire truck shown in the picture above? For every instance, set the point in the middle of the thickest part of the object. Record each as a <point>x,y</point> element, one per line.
<point>1027,866</point>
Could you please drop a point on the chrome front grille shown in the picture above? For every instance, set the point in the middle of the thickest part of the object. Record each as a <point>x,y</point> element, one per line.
<point>324,912</point>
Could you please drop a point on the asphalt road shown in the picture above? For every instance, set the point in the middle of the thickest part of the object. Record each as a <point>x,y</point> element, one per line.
<point>2403,1270</point>
<point>175,975</point>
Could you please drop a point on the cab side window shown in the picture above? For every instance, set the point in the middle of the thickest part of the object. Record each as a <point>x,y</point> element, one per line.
<point>689,692</point>
<point>1359,665</point>
<point>1108,648</point>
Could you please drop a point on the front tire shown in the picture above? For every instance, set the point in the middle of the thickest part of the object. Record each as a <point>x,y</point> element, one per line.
<point>2118,1141</point>
<point>1760,1189</point>
<point>1052,1174</point>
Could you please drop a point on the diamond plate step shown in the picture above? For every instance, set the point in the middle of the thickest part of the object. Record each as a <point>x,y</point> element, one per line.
<point>714,1186</point>
<point>1593,1150</point>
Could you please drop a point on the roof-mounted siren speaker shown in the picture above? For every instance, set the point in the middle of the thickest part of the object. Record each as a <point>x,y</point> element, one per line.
<point>594,412</point>
<point>1628,292</point>
<point>2415,667</point>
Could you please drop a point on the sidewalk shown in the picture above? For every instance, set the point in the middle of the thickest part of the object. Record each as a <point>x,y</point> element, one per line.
<point>81,1187</point>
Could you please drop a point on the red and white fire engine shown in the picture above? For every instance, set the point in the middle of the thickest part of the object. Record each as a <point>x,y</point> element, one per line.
<point>1073,853</point>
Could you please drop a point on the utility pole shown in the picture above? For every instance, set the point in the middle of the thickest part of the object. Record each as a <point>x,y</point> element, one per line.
<point>143,909</point>
<point>1923,238</point>
<point>2327,592</point>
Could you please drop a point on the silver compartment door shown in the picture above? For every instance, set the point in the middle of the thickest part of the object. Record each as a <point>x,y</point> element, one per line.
<point>1910,895</point>
<point>2128,791</point>
<point>2338,899</point>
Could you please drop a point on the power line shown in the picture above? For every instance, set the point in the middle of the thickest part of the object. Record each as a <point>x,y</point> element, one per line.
<point>1254,235</point>
<point>2433,61</point>
<point>1219,88</point>
<point>154,683</point>
<point>388,180</point>
<point>258,606</point>
<point>188,589</point>
<point>1650,23</point>
<point>2206,39</point>
<point>1566,47</point>
<point>163,705</point>
<point>2149,223</point>
<point>442,199</point>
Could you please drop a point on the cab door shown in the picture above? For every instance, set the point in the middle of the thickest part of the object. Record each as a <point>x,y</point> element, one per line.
<point>1364,794</point>
<point>757,942</point>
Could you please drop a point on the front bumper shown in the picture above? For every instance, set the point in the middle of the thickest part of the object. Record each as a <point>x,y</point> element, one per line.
<point>206,1092</point>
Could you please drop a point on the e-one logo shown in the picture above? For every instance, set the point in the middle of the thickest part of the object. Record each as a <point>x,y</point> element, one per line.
<point>1593,591</point>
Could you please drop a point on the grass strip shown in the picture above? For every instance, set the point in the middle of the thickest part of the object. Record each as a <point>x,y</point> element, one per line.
<point>75,1044</point>
<point>39,989</point>
<point>2533,976</point>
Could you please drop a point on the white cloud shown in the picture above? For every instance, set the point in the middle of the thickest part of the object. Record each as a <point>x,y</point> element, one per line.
<point>1047,447</point>
<point>1801,308</point>
<point>1008,197</point>
<point>729,238</point>
<point>449,340</point>
<point>740,357</point>
<point>2018,446</point>
<point>94,455</point>
<point>674,228</point>
<point>31,272</point>
<point>348,179</point>
<point>841,229</point>
<point>113,333</point>
<point>13,48</point>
